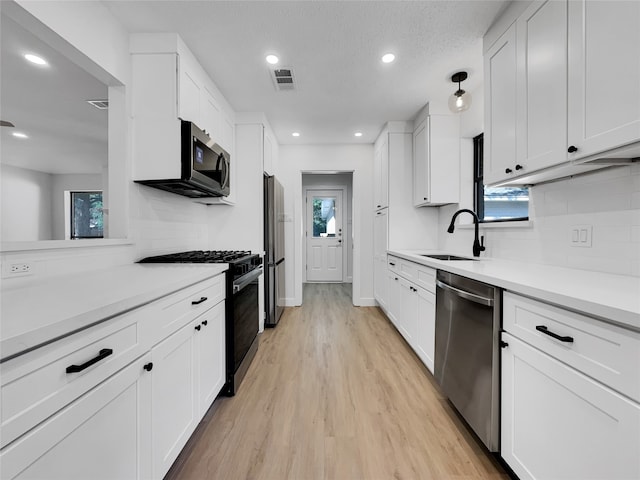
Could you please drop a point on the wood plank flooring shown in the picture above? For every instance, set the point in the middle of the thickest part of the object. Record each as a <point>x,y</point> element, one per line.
<point>335,393</point>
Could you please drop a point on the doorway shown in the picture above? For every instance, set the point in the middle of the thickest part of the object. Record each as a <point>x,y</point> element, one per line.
<point>327,242</point>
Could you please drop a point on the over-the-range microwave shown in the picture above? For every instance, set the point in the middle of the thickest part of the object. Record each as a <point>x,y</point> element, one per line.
<point>204,166</point>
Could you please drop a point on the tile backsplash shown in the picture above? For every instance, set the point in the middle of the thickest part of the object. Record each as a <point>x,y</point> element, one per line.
<point>608,200</point>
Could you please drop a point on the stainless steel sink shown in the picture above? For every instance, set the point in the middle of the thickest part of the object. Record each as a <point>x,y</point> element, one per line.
<point>447,257</point>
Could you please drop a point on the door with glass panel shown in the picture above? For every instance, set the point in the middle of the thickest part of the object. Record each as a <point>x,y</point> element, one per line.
<point>324,236</point>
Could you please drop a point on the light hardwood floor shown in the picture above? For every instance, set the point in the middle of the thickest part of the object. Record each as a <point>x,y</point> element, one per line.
<point>335,393</point>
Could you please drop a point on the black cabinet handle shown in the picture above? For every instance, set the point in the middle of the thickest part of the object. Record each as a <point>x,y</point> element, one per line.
<point>204,322</point>
<point>104,353</point>
<point>148,367</point>
<point>503,344</point>
<point>424,198</point>
<point>519,167</point>
<point>198,302</point>
<point>198,327</point>
<point>572,149</point>
<point>545,330</point>
<point>379,206</point>
<point>396,278</point>
<point>507,170</point>
<point>392,264</point>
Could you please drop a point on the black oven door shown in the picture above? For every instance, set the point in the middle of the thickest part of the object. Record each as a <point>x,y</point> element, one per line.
<point>245,317</point>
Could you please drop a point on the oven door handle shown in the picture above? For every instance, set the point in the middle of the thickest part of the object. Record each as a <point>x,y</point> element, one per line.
<point>246,279</point>
<point>466,295</point>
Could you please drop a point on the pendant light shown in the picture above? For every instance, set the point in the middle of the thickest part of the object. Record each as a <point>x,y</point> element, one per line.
<point>460,100</point>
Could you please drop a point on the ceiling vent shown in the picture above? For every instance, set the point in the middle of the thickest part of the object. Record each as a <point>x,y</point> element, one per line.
<point>283,79</point>
<point>99,104</point>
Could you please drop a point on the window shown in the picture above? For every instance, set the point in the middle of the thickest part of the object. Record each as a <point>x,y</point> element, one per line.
<point>324,220</point>
<point>86,215</point>
<point>499,204</point>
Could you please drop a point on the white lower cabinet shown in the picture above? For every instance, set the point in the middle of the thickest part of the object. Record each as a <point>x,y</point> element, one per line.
<point>188,373</point>
<point>560,424</point>
<point>98,436</point>
<point>426,327</point>
<point>411,307</point>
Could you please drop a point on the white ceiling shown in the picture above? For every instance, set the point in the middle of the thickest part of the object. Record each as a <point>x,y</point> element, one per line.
<point>334,48</point>
<point>66,134</point>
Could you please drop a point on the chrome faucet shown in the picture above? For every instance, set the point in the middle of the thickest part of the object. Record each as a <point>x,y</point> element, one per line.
<point>478,245</point>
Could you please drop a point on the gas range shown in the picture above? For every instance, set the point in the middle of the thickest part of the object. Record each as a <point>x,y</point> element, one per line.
<point>240,262</point>
<point>241,307</point>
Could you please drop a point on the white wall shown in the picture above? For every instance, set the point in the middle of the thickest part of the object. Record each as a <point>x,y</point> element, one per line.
<point>26,205</point>
<point>345,181</point>
<point>293,161</point>
<point>70,182</point>
<point>154,221</point>
<point>608,200</point>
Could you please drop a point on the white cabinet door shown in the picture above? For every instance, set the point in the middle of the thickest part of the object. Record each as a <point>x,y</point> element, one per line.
<point>436,161</point>
<point>604,75</point>
<point>500,74</point>
<point>174,402</point>
<point>102,435</point>
<point>210,115</point>
<point>409,312</point>
<point>394,298</point>
<point>380,229</point>
<point>421,163</point>
<point>426,327</point>
<point>210,356</point>
<point>189,92</point>
<point>381,174</point>
<point>558,423</point>
<point>542,86</point>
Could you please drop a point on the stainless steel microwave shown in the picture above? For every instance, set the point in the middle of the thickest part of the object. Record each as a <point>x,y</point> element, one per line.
<point>204,166</point>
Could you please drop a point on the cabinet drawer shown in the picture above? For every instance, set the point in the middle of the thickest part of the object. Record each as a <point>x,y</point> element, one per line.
<point>604,352</point>
<point>426,278</point>
<point>403,267</point>
<point>36,385</point>
<point>393,264</point>
<point>181,307</point>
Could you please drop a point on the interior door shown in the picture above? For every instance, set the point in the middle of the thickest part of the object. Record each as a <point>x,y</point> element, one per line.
<point>324,236</point>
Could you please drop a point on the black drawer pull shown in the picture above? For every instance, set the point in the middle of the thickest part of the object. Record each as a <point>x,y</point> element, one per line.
<point>197,327</point>
<point>543,329</point>
<point>148,367</point>
<point>392,264</point>
<point>204,322</point>
<point>198,302</point>
<point>104,353</point>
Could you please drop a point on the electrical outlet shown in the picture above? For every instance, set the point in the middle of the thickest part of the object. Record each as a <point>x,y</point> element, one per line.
<point>16,269</point>
<point>581,235</point>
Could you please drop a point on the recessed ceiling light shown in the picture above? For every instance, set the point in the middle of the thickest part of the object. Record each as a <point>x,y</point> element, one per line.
<point>357,134</point>
<point>19,135</point>
<point>388,57</point>
<point>35,59</point>
<point>296,134</point>
<point>272,59</point>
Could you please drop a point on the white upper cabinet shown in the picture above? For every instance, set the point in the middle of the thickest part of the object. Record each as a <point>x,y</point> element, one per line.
<point>436,161</point>
<point>560,87</point>
<point>169,85</point>
<point>604,75</point>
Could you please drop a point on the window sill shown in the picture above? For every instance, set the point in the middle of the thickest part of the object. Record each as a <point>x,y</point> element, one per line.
<point>62,244</point>
<point>492,225</point>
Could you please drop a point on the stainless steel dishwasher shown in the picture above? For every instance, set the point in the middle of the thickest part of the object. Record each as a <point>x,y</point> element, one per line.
<point>467,365</point>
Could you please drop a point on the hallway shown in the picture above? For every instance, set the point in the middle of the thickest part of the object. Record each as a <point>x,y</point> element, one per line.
<point>335,393</point>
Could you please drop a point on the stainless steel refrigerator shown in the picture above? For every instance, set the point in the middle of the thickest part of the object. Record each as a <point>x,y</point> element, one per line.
<point>274,250</point>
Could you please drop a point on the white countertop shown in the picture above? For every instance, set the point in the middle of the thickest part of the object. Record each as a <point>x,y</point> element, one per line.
<point>59,306</point>
<point>613,298</point>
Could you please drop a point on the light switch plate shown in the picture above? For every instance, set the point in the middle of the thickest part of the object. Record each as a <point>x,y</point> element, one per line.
<point>581,235</point>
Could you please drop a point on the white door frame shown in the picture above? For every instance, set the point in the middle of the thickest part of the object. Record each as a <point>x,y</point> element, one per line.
<point>298,227</point>
<point>345,244</point>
